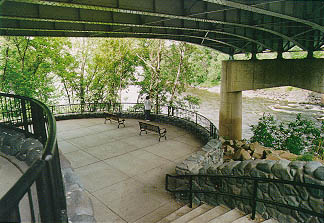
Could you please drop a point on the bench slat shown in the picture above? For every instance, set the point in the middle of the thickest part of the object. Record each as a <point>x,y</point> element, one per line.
<point>109,116</point>
<point>154,128</point>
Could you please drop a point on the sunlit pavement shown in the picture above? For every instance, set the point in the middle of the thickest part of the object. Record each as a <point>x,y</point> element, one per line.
<point>123,172</point>
<point>10,173</point>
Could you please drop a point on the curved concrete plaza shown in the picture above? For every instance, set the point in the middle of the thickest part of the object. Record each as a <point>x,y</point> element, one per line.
<point>123,172</point>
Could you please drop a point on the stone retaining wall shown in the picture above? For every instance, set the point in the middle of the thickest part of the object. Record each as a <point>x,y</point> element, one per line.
<point>299,171</point>
<point>13,142</point>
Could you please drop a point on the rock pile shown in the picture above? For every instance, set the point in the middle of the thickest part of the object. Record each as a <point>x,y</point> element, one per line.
<point>241,150</point>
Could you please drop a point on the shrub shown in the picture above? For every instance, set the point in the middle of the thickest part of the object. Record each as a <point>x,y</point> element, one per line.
<point>306,157</point>
<point>297,136</point>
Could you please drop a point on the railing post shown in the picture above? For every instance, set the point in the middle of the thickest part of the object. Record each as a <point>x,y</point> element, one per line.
<point>166,182</point>
<point>190,191</point>
<point>12,216</point>
<point>50,189</point>
<point>24,115</point>
<point>211,129</point>
<point>59,188</point>
<point>254,197</point>
<point>38,121</point>
<point>45,196</point>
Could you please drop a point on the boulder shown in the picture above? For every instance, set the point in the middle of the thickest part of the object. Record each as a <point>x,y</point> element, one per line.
<point>258,153</point>
<point>288,156</point>
<point>273,157</point>
<point>254,145</point>
<point>237,154</point>
<point>229,151</point>
<point>245,155</point>
<point>241,154</point>
<point>239,144</point>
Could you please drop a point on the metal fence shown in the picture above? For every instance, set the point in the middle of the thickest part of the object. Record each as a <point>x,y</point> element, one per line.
<point>170,111</point>
<point>35,120</point>
<point>253,198</point>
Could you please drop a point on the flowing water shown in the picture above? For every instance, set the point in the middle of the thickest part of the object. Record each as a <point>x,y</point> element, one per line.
<point>252,108</point>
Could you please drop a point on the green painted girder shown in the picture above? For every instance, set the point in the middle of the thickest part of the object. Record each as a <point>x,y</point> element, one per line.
<point>135,27</point>
<point>161,16</point>
<point>227,25</point>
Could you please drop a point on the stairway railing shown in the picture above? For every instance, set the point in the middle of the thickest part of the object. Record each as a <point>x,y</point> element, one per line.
<point>170,111</point>
<point>217,180</point>
<point>33,118</point>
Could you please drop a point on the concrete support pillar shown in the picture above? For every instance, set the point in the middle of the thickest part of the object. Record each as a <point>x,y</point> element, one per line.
<point>230,114</point>
<point>238,76</point>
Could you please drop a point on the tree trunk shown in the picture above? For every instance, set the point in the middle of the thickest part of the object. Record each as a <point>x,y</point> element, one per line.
<point>5,68</point>
<point>182,52</point>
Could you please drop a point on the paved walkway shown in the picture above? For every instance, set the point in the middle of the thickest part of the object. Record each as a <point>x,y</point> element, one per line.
<point>124,173</point>
<point>10,173</point>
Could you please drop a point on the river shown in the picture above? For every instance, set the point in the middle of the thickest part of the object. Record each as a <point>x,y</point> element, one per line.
<point>252,108</point>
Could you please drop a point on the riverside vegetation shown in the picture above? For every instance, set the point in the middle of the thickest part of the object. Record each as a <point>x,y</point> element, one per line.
<point>301,136</point>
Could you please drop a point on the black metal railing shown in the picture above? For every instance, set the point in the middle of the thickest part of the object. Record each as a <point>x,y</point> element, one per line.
<point>33,118</point>
<point>192,116</point>
<point>218,180</point>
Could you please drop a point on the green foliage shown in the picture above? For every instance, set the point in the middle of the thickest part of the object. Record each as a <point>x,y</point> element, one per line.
<point>100,70</point>
<point>306,157</point>
<point>171,67</point>
<point>265,132</point>
<point>28,65</point>
<point>297,136</point>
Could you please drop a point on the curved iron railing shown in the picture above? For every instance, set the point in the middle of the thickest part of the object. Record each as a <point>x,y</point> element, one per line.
<point>34,119</point>
<point>192,116</point>
<point>253,198</point>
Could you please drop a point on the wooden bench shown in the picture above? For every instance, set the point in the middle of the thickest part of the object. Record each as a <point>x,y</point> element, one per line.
<point>113,117</point>
<point>154,128</point>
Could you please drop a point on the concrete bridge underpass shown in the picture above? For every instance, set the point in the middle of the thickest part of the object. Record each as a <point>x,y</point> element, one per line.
<point>229,26</point>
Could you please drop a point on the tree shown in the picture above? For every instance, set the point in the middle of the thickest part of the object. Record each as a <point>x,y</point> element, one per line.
<point>170,67</point>
<point>100,70</point>
<point>112,69</point>
<point>29,65</point>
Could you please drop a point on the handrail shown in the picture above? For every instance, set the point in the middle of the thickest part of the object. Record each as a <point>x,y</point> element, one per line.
<point>253,198</point>
<point>34,119</point>
<point>193,116</point>
<point>51,128</point>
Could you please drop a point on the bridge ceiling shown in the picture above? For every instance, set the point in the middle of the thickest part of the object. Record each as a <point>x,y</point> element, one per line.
<point>230,26</point>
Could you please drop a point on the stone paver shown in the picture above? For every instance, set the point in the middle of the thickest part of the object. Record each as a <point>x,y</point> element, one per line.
<point>123,172</point>
<point>9,175</point>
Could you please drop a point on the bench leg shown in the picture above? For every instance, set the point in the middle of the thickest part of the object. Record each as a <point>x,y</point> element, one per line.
<point>143,131</point>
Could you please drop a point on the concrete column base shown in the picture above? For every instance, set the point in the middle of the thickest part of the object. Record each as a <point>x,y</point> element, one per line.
<point>230,115</point>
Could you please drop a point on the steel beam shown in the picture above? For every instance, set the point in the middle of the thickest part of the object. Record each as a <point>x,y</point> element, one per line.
<point>155,14</point>
<point>82,21</point>
<point>244,7</point>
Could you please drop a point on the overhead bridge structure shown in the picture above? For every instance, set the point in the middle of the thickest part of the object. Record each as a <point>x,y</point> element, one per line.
<point>229,26</point>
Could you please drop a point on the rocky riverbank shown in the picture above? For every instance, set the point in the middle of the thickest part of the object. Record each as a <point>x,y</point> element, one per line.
<point>240,150</point>
<point>289,94</point>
